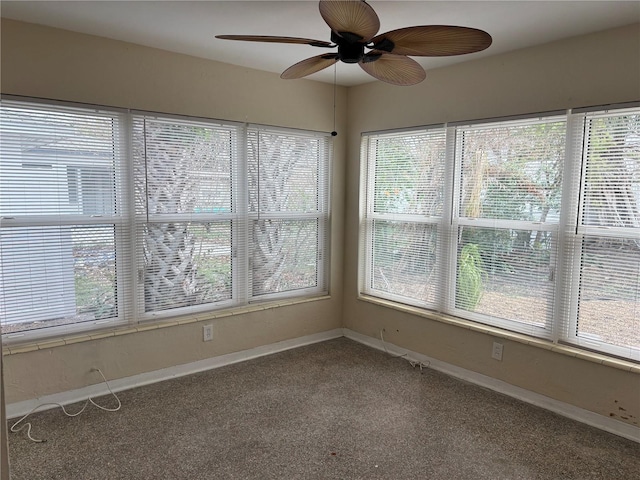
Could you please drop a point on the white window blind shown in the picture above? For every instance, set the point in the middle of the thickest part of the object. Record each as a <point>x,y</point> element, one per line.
<point>509,199</point>
<point>607,288</point>
<point>288,211</point>
<point>185,172</point>
<point>404,206</point>
<point>62,236</point>
<point>114,217</point>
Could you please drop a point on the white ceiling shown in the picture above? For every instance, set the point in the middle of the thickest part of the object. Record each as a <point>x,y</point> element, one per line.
<point>189,27</point>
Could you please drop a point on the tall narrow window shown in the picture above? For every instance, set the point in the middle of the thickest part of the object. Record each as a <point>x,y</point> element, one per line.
<point>508,195</point>
<point>61,233</point>
<point>404,207</point>
<point>185,211</point>
<point>288,211</point>
<point>607,287</point>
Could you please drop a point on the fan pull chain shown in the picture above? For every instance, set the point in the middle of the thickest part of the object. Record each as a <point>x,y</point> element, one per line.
<point>335,76</point>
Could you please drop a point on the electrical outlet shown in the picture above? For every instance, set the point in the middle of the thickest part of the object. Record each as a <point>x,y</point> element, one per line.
<point>207,333</point>
<point>496,352</point>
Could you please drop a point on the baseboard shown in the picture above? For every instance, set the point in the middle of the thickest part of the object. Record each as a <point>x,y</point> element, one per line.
<point>607,424</point>
<point>570,411</point>
<point>18,409</point>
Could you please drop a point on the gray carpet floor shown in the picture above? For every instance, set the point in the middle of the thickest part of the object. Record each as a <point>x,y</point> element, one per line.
<point>333,410</point>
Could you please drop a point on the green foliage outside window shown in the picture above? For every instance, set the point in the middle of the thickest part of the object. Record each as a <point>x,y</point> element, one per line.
<point>470,277</point>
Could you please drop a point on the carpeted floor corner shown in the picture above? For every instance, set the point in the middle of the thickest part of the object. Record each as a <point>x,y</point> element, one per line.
<point>333,410</point>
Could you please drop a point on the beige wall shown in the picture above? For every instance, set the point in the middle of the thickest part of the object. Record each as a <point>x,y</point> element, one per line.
<point>590,70</point>
<point>44,62</point>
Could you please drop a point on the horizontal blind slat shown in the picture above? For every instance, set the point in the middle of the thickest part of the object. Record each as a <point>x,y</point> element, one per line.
<point>409,173</point>
<point>183,167</point>
<point>185,264</point>
<point>404,260</point>
<point>62,237</point>
<point>512,172</point>
<point>607,290</point>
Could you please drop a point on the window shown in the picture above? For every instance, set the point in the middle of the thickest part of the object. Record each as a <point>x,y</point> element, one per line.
<point>506,222</point>
<point>535,228</point>
<point>61,173</point>
<point>404,215</point>
<point>185,212</point>
<point>116,217</point>
<point>288,205</point>
<point>606,290</point>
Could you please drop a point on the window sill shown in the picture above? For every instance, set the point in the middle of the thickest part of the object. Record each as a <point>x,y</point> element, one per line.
<point>44,344</point>
<point>511,336</point>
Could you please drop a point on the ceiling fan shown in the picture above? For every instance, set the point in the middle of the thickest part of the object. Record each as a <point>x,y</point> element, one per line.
<point>354,25</point>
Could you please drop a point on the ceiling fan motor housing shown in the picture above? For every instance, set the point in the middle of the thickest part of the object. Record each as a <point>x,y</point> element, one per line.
<point>350,46</point>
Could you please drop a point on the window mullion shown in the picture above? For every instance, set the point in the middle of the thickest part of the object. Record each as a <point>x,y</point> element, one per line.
<point>127,263</point>
<point>365,246</point>
<point>240,233</point>
<point>569,242</point>
<point>446,239</point>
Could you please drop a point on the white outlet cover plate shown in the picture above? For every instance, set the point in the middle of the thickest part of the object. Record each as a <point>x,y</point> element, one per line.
<point>497,351</point>
<point>207,333</point>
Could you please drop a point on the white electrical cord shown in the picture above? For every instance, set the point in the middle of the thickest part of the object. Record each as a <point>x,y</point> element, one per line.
<point>27,425</point>
<point>413,363</point>
<point>385,347</point>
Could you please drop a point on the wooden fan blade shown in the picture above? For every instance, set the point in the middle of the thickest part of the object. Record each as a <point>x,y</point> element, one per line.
<point>432,41</point>
<point>352,16</point>
<point>269,39</point>
<point>393,69</point>
<point>309,66</point>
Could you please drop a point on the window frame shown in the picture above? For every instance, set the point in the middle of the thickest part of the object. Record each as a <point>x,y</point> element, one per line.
<point>117,219</point>
<point>369,215</point>
<point>546,330</point>
<point>142,219</point>
<point>580,231</point>
<point>320,214</point>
